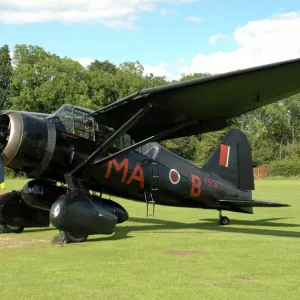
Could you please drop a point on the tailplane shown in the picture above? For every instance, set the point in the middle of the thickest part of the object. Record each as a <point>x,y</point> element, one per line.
<point>232,160</point>
<point>241,203</point>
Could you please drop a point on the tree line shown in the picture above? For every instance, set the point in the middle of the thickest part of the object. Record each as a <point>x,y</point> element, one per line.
<point>37,80</point>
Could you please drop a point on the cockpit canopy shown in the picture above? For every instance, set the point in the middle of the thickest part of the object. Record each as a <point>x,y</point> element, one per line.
<point>78,121</point>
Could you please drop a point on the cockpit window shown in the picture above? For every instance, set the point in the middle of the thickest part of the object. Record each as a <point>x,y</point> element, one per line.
<point>77,121</point>
<point>127,140</point>
<point>123,142</point>
<point>83,125</point>
<point>66,116</point>
<point>150,150</point>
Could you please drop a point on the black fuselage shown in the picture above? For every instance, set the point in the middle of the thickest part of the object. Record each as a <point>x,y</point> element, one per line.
<point>171,179</point>
<point>49,148</point>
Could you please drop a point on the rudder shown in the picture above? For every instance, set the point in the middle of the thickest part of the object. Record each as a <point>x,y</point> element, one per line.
<point>232,160</point>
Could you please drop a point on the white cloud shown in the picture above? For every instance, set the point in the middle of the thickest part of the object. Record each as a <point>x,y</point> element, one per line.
<point>194,19</point>
<point>164,12</point>
<point>260,42</point>
<point>85,61</point>
<point>170,71</point>
<point>111,13</point>
<point>160,70</point>
<point>179,1</point>
<point>214,38</point>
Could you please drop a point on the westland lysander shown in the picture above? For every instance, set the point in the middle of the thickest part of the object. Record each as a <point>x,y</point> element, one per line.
<point>75,152</point>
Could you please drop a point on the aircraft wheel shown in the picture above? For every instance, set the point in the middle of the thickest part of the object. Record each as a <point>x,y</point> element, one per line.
<point>224,221</point>
<point>4,228</point>
<point>73,237</point>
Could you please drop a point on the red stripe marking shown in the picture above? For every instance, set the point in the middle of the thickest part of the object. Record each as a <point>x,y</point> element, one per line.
<point>223,155</point>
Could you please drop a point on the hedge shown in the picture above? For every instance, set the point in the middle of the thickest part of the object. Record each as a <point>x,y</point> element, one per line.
<point>285,168</point>
<point>10,174</point>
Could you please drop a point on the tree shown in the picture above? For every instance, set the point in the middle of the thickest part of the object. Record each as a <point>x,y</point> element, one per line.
<point>185,77</point>
<point>292,105</point>
<point>29,54</point>
<point>5,74</point>
<point>273,130</point>
<point>43,81</point>
<point>104,66</point>
<point>103,88</point>
<point>207,143</point>
<point>186,147</point>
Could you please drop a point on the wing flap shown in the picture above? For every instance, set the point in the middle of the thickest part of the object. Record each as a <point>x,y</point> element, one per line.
<point>251,203</point>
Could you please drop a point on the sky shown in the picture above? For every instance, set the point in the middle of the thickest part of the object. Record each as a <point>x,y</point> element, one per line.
<point>169,37</point>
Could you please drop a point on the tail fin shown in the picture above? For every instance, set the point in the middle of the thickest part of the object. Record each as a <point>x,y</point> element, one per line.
<point>232,160</point>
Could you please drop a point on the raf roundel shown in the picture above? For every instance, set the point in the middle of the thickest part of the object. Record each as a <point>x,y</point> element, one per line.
<point>174,176</point>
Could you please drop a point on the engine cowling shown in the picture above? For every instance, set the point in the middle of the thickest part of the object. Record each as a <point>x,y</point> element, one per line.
<point>24,141</point>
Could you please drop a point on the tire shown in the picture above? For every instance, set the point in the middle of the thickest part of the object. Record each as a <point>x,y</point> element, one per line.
<point>72,237</point>
<point>4,228</point>
<point>224,221</point>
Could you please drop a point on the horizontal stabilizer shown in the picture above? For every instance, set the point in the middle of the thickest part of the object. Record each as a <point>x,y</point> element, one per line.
<point>251,203</point>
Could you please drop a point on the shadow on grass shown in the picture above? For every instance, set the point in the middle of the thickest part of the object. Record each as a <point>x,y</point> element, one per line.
<point>28,230</point>
<point>209,225</point>
<point>262,222</point>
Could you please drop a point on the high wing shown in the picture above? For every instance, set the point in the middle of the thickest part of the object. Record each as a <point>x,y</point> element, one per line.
<point>251,203</point>
<point>211,101</point>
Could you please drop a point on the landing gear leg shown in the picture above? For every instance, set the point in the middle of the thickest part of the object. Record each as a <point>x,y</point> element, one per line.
<point>223,220</point>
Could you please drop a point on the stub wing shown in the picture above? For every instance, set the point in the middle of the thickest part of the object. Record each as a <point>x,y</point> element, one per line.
<point>251,203</point>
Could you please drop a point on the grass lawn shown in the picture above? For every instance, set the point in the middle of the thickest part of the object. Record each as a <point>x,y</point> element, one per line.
<point>180,254</point>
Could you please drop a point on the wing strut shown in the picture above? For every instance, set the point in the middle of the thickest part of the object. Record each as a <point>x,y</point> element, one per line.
<point>113,137</point>
<point>145,141</point>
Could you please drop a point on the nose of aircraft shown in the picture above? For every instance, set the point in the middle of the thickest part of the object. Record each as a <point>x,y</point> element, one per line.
<point>4,130</point>
<point>22,136</point>
<point>4,136</point>
<point>10,135</point>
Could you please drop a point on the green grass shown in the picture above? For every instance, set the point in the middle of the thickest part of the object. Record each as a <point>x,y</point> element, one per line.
<point>256,257</point>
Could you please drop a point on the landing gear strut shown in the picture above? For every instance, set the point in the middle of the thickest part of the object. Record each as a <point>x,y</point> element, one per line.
<point>223,220</point>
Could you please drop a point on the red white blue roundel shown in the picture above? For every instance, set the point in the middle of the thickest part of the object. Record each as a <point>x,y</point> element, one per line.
<point>174,176</point>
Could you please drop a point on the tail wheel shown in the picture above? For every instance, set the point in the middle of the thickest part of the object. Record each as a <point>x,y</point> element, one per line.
<point>4,228</point>
<point>224,220</point>
<point>73,237</point>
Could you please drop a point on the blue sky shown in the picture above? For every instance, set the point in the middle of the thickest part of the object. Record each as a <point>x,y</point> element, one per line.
<point>166,36</point>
